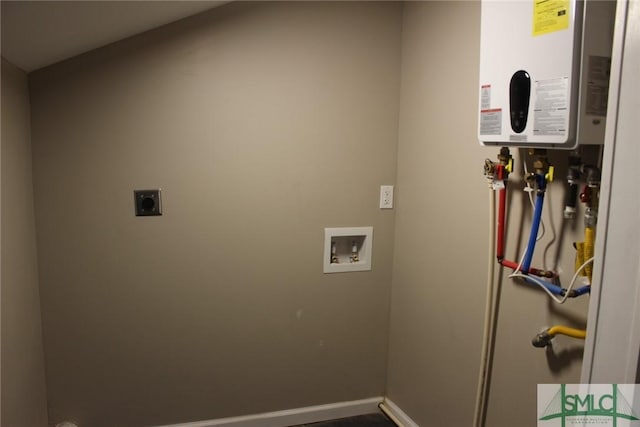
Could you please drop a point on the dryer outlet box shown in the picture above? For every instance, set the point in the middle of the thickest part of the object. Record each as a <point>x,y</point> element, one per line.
<point>147,202</point>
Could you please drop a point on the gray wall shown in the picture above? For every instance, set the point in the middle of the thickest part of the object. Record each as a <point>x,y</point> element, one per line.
<point>23,379</point>
<point>439,271</point>
<point>262,123</point>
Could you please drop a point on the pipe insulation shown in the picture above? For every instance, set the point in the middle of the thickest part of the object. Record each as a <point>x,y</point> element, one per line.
<point>489,320</point>
<point>589,242</point>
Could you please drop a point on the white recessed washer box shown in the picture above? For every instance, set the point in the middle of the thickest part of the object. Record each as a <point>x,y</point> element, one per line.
<point>347,249</point>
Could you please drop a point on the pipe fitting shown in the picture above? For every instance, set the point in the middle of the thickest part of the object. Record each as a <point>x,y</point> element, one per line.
<point>593,176</point>
<point>540,161</point>
<point>542,340</point>
<point>489,168</point>
<point>506,160</point>
<point>546,274</point>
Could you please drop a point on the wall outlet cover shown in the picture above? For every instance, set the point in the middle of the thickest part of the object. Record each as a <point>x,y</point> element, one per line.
<point>386,196</point>
<point>147,202</point>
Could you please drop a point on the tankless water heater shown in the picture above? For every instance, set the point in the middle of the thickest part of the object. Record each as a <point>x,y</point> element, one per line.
<point>543,80</point>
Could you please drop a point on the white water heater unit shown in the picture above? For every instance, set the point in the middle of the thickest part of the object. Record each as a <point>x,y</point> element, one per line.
<point>544,72</point>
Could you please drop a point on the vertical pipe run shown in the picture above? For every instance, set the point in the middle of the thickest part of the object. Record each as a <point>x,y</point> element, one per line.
<point>502,201</point>
<point>535,225</point>
<point>589,241</point>
<point>489,320</point>
<point>571,200</point>
<point>501,175</point>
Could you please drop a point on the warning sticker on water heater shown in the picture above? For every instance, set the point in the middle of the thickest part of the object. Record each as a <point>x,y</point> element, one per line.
<point>490,118</point>
<point>485,97</point>
<point>550,16</point>
<point>598,85</point>
<point>491,121</point>
<point>550,113</point>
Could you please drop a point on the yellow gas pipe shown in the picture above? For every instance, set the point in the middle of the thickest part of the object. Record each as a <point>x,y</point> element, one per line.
<point>543,339</point>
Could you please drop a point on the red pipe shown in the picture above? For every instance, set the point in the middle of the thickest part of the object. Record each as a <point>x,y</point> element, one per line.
<point>502,203</point>
<point>535,271</point>
<point>502,208</point>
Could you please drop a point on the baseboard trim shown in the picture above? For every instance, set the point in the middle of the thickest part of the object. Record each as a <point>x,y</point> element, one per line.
<point>396,414</point>
<point>310,414</point>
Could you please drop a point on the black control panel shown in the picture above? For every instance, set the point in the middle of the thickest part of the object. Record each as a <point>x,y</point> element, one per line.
<point>519,97</point>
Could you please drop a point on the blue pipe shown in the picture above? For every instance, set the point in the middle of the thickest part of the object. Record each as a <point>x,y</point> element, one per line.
<point>554,289</point>
<point>581,291</point>
<point>535,225</point>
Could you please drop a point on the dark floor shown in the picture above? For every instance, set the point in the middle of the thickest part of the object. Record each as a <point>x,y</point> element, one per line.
<point>371,420</point>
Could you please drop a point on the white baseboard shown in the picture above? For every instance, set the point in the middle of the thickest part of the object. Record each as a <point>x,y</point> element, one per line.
<point>396,414</point>
<point>289,417</point>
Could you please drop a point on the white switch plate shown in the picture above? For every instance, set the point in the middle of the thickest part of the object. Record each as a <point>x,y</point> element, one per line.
<point>386,196</point>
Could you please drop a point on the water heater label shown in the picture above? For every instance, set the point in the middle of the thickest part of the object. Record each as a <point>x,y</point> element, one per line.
<point>550,16</point>
<point>485,97</point>
<point>491,121</point>
<point>598,85</point>
<point>550,113</point>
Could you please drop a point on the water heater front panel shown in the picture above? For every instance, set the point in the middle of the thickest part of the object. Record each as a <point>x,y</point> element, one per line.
<point>529,73</point>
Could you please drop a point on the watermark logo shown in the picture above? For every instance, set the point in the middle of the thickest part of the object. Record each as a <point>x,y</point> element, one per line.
<point>590,405</point>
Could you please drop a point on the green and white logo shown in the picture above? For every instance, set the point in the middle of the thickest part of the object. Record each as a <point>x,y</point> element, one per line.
<point>588,405</point>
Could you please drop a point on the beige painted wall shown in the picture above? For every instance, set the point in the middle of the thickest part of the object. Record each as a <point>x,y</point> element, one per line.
<point>439,270</point>
<point>23,379</point>
<point>262,123</point>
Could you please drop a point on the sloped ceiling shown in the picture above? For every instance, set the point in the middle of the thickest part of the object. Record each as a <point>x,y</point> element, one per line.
<point>39,33</point>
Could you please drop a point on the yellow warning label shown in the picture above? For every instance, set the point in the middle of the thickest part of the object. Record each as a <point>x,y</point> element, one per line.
<point>550,16</point>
